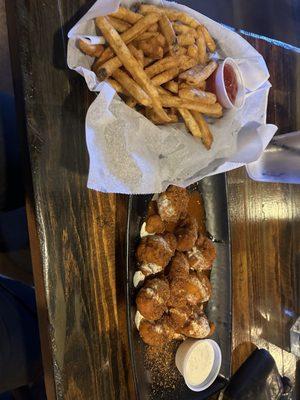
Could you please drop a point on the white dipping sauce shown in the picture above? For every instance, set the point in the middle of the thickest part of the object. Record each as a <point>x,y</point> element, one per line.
<point>199,363</point>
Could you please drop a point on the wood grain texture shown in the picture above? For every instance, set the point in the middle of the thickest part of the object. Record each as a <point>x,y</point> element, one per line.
<point>78,266</point>
<point>265,231</point>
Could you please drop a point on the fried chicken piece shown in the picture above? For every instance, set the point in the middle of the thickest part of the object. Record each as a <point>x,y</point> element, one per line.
<point>157,333</point>
<point>186,233</point>
<point>179,316</point>
<point>154,224</point>
<point>191,290</point>
<point>202,255</point>
<point>179,267</point>
<point>172,204</point>
<point>154,252</point>
<point>152,299</point>
<point>197,326</point>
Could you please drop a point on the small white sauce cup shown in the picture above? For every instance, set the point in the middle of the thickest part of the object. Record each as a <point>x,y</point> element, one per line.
<point>221,89</point>
<point>183,353</point>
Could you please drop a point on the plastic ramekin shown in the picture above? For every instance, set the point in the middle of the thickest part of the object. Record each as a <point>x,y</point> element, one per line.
<point>182,356</point>
<point>221,89</point>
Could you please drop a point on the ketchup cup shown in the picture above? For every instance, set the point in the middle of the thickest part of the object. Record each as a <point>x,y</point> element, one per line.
<point>229,86</point>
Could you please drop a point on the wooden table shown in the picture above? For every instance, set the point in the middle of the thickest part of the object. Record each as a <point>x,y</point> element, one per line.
<point>77,235</point>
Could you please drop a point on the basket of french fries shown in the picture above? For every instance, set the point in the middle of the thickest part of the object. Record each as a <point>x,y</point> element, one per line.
<point>160,116</point>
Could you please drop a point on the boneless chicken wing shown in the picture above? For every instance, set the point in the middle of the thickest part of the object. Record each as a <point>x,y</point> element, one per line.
<point>152,299</point>
<point>202,254</point>
<point>186,233</point>
<point>154,252</point>
<point>172,204</point>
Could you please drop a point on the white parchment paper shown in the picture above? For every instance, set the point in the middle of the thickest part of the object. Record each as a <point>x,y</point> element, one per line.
<point>129,154</point>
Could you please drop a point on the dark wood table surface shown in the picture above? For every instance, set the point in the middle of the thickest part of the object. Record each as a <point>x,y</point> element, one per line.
<point>77,235</point>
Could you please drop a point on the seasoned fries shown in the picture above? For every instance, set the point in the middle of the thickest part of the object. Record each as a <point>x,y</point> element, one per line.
<point>157,59</point>
<point>130,63</point>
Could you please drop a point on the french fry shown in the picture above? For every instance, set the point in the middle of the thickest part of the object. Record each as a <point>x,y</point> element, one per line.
<point>131,102</point>
<point>172,86</point>
<point>210,43</point>
<point>212,110</point>
<point>165,76</point>
<point>186,63</point>
<point>130,63</point>
<point>106,69</point>
<point>159,39</point>
<point>200,85</point>
<point>186,19</point>
<point>162,90</point>
<point>206,137</point>
<point>197,95</point>
<point>118,24</point>
<point>116,85</point>
<point>147,36</point>
<point>180,28</point>
<point>185,39</point>
<point>138,28</point>
<point>192,51</point>
<point>161,65</point>
<point>171,13</point>
<point>148,61</point>
<point>181,51</point>
<point>151,49</point>
<point>132,87</point>
<point>199,73</point>
<point>169,34</point>
<point>126,15</point>
<point>200,41</point>
<point>153,28</point>
<point>150,114</point>
<point>138,54</point>
<point>190,122</point>
<point>93,50</point>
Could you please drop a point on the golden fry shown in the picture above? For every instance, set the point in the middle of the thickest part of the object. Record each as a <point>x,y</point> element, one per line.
<point>131,102</point>
<point>169,34</point>
<point>127,15</point>
<point>132,87</point>
<point>181,51</point>
<point>197,95</point>
<point>153,28</point>
<point>159,39</point>
<point>116,85</point>
<point>200,85</point>
<point>210,43</point>
<point>149,8</point>
<point>199,73</point>
<point>147,36</point>
<point>106,69</point>
<point>213,110</point>
<point>165,76</point>
<point>190,122</point>
<point>206,137</point>
<point>186,19</point>
<point>93,50</point>
<point>180,28</point>
<point>151,49</point>
<point>161,65</point>
<point>118,24</point>
<point>130,63</point>
<point>148,61</point>
<point>200,40</point>
<point>186,39</point>
<point>138,54</point>
<point>192,51</point>
<point>150,114</point>
<point>172,86</point>
<point>140,26</point>
<point>186,63</point>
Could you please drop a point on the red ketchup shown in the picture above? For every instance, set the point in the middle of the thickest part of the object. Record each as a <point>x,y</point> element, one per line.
<point>230,80</point>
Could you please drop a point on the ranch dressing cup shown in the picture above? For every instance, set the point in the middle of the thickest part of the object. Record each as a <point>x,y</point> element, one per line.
<point>199,361</point>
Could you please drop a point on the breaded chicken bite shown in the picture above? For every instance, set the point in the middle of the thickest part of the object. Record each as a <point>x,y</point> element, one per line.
<point>197,326</point>
<point>179,266</point>
<point>154,252</point>
<point>202,254</point>
<point>186,233</point>
<point>152,299</point>
<point>156,333</point>
<point>154,224</point>
<point>173,203</point>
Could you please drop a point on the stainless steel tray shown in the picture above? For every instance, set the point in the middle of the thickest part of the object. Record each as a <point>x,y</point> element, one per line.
<point>213,191</point>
